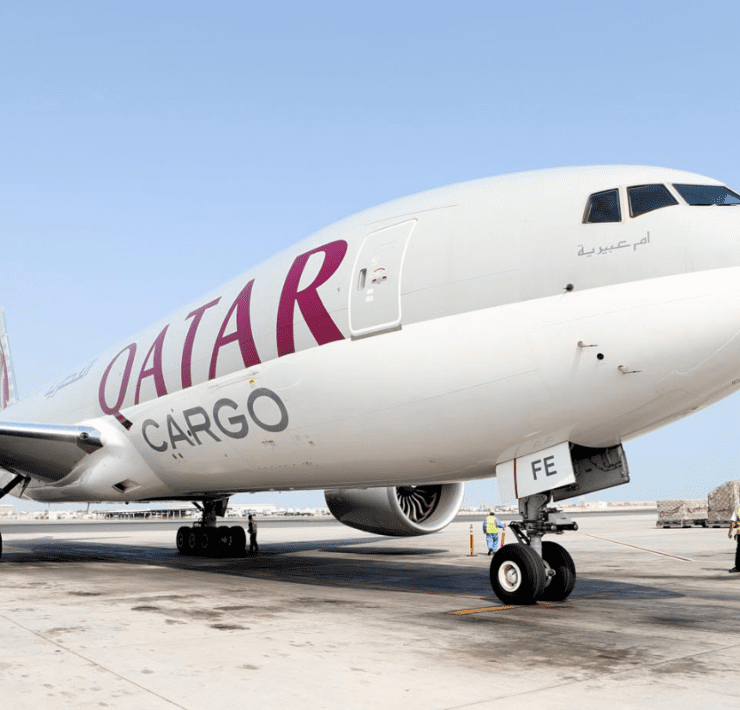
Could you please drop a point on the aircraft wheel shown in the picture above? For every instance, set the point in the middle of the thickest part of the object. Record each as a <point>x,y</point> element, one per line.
<point>1,545</point>
<point>205,541</point>
<point>223,541</point>
<point>560,561</point>
<point>181,540</point>
<point>238,540</point>
<point>517,575</point>
<point>192,541</point>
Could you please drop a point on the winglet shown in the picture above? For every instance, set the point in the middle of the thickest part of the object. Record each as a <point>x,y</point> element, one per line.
<point>8,391</point>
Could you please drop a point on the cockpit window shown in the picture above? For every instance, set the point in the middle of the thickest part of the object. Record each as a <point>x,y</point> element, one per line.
<point>603,207</point>
<point>708,194</point>
<point>646,198</point>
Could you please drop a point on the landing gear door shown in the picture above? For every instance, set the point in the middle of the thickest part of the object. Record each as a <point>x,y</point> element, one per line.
<point>536,473</point>
<point>375,294</point>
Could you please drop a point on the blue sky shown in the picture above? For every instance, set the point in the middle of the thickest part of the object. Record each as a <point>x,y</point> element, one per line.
<point>152,150</point>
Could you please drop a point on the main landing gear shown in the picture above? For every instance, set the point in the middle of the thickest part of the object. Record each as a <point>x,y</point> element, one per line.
<point>534,570</point>
<point>207,539</point>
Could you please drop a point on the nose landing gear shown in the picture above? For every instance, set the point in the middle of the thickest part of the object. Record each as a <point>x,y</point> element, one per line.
<point>534,570</point>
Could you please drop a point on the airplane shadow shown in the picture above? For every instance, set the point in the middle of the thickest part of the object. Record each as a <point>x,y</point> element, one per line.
<point>390,551</point>
<point>341,565</point>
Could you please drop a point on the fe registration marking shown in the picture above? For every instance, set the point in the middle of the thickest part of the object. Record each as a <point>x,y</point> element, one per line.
<point>543,471</point>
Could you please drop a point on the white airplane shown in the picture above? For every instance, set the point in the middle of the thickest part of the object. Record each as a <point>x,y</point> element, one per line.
<point>521,326</point>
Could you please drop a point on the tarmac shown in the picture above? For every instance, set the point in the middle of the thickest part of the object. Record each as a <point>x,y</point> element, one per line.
<point>110,616</point>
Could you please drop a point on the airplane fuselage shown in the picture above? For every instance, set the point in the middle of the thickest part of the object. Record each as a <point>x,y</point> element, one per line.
<point>423,341</point>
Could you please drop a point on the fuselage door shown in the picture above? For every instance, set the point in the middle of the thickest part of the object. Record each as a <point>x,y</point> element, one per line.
<point>375,294</point>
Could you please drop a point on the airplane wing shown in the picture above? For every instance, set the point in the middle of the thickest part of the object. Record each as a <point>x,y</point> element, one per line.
<point>45,452</point>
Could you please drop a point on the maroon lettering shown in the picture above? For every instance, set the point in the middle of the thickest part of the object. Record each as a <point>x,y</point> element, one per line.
<point>317,318</point>
<point>122,387</point>
<point>187,351</point>
<point>243,332</point>
<point>155,370</point>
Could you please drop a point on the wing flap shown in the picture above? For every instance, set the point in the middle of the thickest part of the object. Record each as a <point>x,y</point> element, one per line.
<point>45,452</point>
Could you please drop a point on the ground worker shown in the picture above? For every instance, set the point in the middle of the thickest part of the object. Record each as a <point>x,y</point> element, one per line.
<point>735,526</point>
<point>252,530</point>
<point>491,527</point>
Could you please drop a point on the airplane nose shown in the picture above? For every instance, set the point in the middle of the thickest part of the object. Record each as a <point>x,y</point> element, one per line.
<point>662,348</point>
<point>706,361</point>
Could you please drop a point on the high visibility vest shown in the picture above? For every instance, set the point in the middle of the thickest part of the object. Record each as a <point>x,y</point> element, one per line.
<point>735,524</point>
<point>491,527</point>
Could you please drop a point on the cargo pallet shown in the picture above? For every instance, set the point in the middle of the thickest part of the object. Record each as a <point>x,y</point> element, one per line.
<point>694,523</point>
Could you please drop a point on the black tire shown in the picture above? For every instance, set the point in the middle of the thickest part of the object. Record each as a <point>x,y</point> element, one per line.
<point>223,541</point>
<point>181,540</point>
<point>192,541</point>
<point>1,545</point>
<point>560,561</point>
<point>238,540</point>
<point>517,575</point>
<point>206,540</point>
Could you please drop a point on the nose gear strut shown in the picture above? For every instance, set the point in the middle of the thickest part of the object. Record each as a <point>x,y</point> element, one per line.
<point>533,569</point>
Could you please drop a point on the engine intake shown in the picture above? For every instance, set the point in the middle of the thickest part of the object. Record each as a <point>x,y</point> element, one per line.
<point>402,511</point>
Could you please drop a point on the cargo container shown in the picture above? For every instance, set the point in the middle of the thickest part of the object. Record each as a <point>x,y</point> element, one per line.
<point>682,513</point>
<point>723,502</point>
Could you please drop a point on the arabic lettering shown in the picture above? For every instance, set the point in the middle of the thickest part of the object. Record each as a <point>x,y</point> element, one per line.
<point>644,240</point>
<point>622,244</point>
<point>69,379</point>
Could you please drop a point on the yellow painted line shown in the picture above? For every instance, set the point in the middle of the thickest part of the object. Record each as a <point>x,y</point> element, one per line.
<point>485,608</point>
<point>505,607</point>
<point>385,588</point>
<point>637,547</point>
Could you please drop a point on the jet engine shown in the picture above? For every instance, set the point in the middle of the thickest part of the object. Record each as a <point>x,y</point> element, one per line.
<point>402,511</point>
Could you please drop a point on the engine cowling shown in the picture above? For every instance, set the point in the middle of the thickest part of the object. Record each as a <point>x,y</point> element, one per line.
<point>402,511</point>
